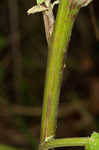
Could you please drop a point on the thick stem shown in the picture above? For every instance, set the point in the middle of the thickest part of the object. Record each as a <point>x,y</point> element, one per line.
<point>64,23</point>
<point>67,12</point>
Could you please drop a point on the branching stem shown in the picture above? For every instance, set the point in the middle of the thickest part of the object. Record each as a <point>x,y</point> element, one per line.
<point>64,23</point>
<point>66,142</point>
<point>67,12</point>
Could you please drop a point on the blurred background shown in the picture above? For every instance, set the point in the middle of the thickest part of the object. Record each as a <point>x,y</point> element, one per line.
<point>23,58</point>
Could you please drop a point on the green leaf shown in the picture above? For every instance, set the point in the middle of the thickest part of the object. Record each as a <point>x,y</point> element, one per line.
<point>93,143</point>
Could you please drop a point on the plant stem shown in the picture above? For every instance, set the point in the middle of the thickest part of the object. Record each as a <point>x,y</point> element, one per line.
<point>94,21</point>
<point>66,142</point>
<point>66,16</point>
<point>16,50</point>
<point>48,18</point>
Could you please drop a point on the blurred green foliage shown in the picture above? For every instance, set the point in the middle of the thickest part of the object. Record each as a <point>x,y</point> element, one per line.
<point>5,147</point>
<point>3,42</point>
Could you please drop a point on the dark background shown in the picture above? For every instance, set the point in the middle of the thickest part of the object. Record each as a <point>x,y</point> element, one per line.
<point>23,57</point>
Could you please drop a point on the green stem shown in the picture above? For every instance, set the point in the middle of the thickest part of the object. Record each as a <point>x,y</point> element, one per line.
<point>65,19</point>
<point>66,142</point>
